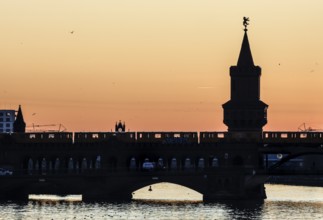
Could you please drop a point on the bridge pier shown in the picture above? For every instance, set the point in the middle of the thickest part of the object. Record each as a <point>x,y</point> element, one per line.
<point>233,184</point>
<point>107,197</point>
<point>14,195</point>
<point>257,194</point>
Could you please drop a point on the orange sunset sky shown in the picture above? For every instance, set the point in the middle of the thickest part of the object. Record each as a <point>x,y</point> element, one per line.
<point>157,65</point>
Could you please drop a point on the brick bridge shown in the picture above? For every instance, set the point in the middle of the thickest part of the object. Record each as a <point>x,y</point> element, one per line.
<point>109,165</point>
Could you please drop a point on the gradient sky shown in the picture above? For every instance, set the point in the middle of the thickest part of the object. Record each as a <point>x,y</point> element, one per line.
<point>157,65</point>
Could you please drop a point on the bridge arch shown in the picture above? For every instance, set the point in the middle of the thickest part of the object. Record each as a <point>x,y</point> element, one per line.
<point>167,191</point>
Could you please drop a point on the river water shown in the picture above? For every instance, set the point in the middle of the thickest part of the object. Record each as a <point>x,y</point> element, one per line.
<point>284,202</point>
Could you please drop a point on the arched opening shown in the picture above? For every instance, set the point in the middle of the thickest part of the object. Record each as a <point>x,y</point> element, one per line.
<point>70,165</point>
<point>43,166</point>
<point>201,164</point>
<point>165,191</point>
<point>56,165</point>
<point>173,164</point>
<point>215,162</point>
<point>133,164</point>
<point>77,166</point>
<point>84,164</point>
<point>98,162</point>
<point>188,164</point>
<point>160,164</point>
<point>30,166</point>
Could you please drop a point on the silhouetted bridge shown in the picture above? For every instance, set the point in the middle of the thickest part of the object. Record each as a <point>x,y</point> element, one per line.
<point>109,165</point>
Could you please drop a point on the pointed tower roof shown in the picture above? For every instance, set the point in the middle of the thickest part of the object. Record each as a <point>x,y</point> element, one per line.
<point>19,125</point>
<point>20,117</point>
<point>245,57</point>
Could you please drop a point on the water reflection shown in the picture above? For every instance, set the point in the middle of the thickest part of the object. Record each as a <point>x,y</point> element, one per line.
<point>54,198</point>
<point>292,203</point>
<point>133,210</point>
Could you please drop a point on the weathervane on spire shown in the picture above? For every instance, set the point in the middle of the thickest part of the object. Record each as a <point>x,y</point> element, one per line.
<point>245,23</point>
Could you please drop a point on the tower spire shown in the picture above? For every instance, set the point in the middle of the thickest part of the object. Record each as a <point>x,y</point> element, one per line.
<point>245,56</point>
<point>19,125</point>
<point>245,112</point>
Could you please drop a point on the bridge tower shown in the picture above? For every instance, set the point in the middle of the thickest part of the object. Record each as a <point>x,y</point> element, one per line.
<point>245,112</point>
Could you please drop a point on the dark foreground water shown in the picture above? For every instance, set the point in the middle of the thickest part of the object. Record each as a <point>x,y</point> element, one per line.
<point>284,202</point>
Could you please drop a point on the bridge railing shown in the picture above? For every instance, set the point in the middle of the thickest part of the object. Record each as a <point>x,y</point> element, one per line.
<point>91,137</point>
<point>167,137</point>
<point>43,137</point>
<point>213,137</point>
<point>292,137</point>
<point>216,137</point>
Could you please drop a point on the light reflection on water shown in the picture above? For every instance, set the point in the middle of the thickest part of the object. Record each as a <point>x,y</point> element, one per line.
<point>51,198</point>
<point>284,202</point>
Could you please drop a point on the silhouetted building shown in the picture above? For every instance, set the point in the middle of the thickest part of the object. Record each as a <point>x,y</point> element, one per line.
<point>19,125</point>
<point>120,127</point>
<point>7,118</point>
<point>245,112</point>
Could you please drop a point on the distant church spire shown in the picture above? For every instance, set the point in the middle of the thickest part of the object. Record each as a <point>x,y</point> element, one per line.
<point>19,125</point>
<point>120,127</point>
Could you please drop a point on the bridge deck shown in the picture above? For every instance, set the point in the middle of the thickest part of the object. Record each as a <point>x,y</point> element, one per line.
<point>166,137</point>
